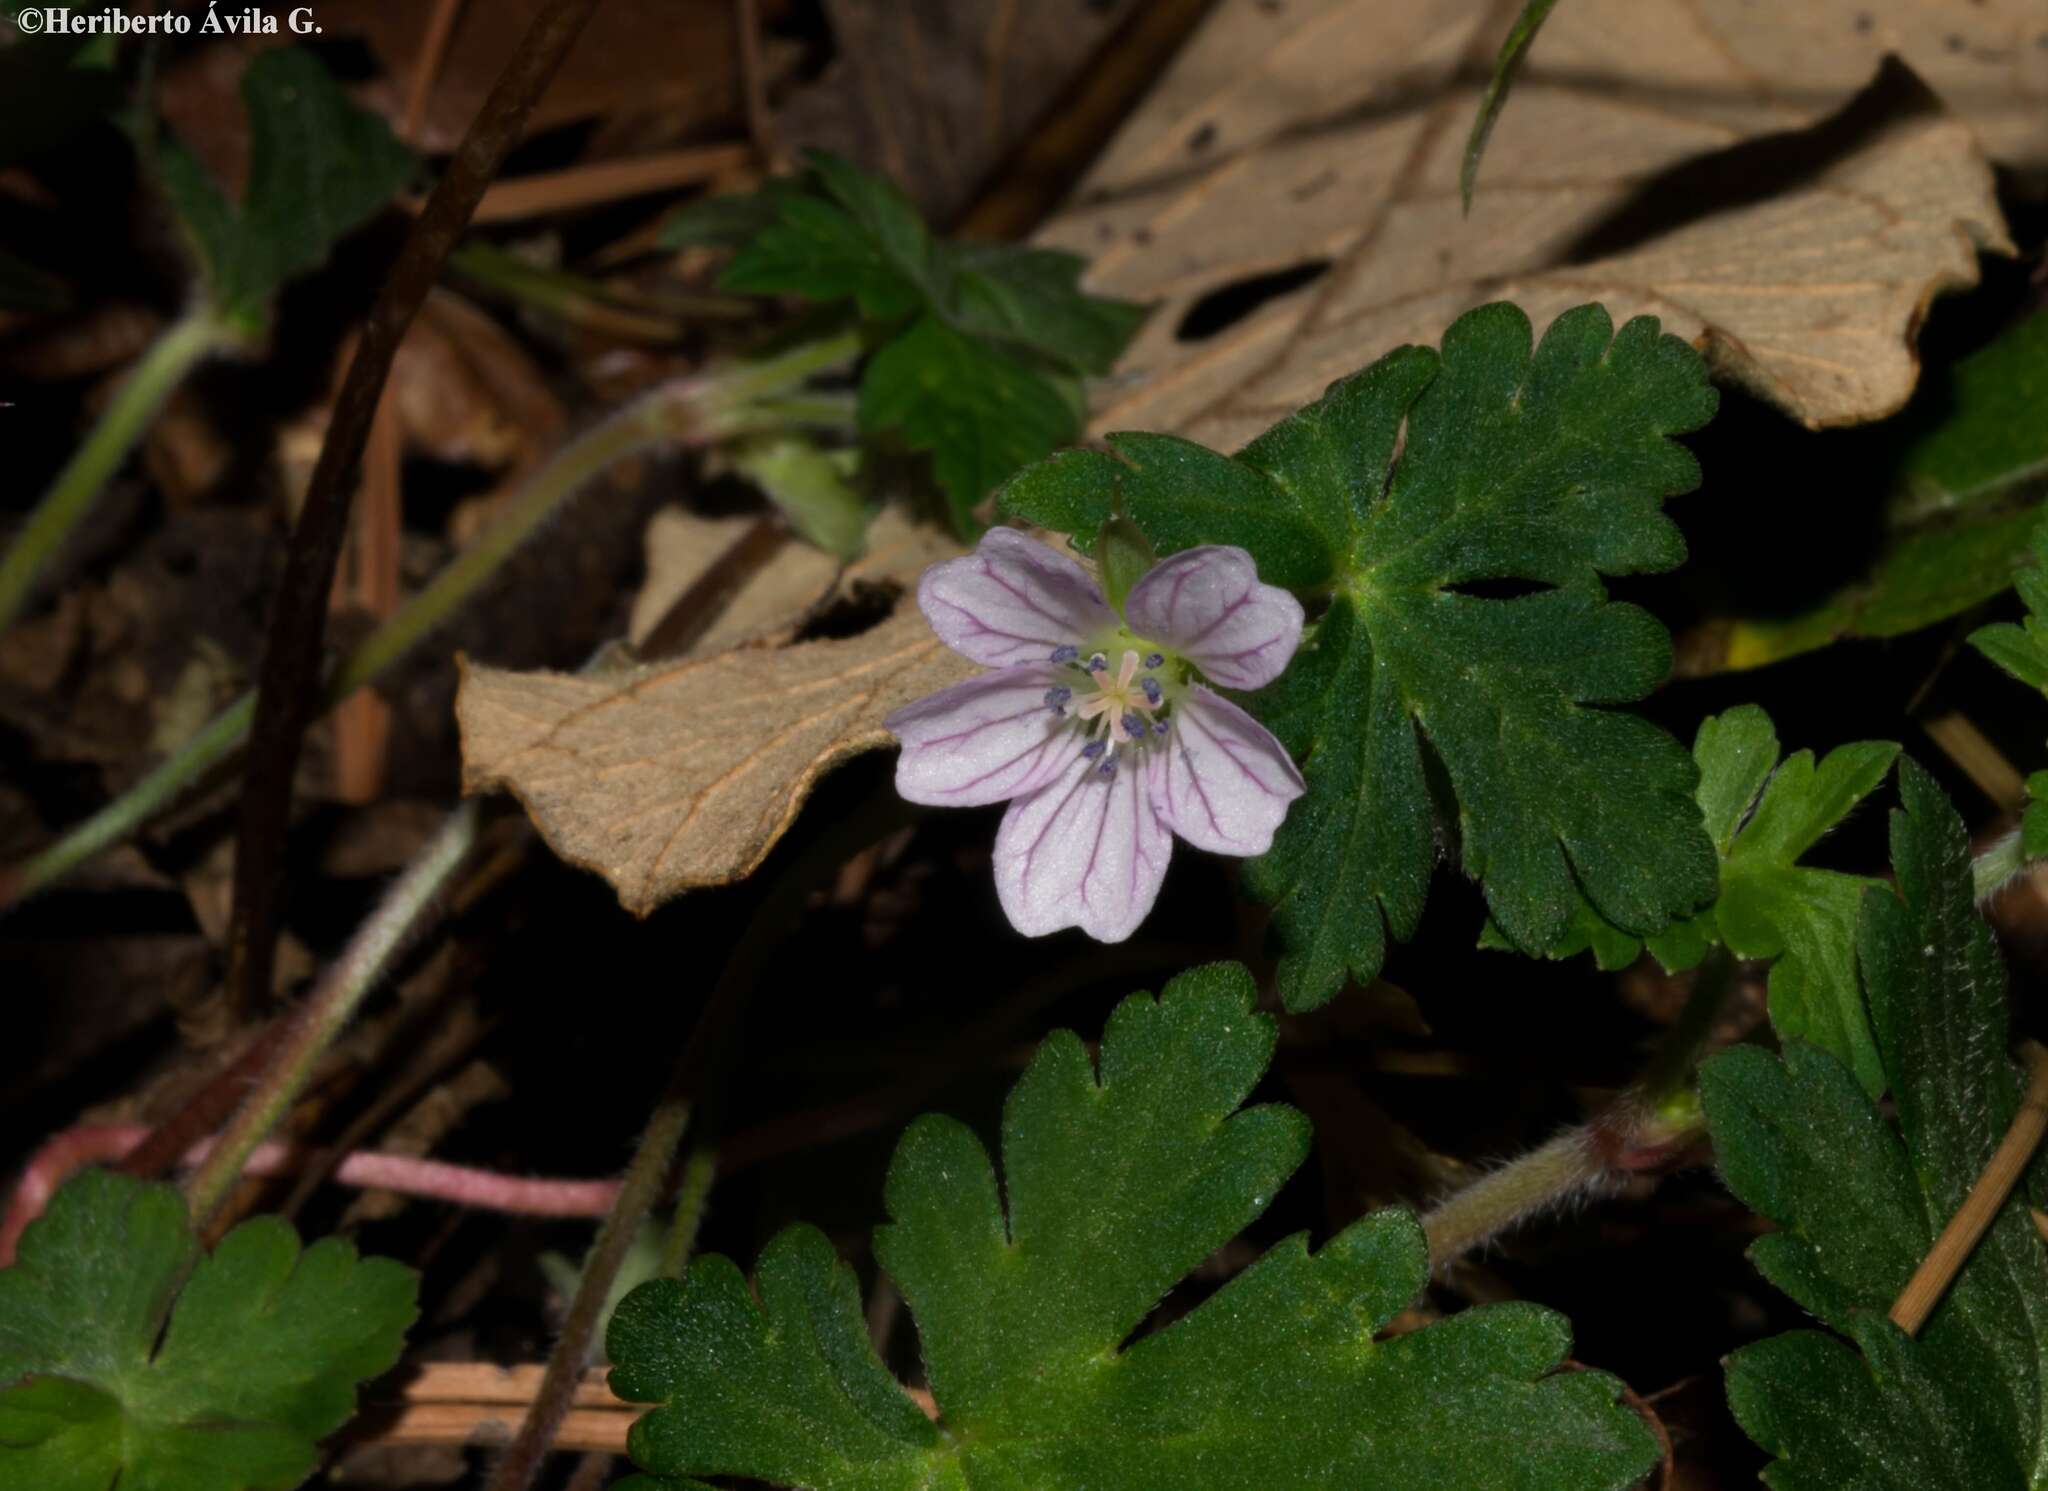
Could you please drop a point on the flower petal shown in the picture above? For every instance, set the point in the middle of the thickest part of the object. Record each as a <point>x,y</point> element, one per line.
<point>1225,783</point>
<point>1013,600</point>
<point>1207,605</point>
<point>985,740</point>
<point>1087,851</point>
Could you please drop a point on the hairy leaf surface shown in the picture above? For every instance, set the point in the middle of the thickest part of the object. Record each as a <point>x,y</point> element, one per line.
<point>127,1357</point>
<point>1764,814</point>
<point>1116,1182</point>
<point>1543,468</point>
<point>1860,1198</point>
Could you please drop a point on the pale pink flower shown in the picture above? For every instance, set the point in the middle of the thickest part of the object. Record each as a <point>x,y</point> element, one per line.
<point>1101,731</point>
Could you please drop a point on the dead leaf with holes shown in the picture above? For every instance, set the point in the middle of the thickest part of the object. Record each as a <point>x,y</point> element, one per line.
<point>672,776</point>
<point>1751,174</point>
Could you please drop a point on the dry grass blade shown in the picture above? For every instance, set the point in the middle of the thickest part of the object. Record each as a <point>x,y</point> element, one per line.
<point>1980,1208</point>
<point>1706,161</point>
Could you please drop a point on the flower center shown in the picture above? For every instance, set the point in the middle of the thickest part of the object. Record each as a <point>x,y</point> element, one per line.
<point>1116,710</point>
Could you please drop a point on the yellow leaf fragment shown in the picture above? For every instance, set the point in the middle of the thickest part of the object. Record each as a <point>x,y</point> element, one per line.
<point>682,775</point>
<point>1707,161</point>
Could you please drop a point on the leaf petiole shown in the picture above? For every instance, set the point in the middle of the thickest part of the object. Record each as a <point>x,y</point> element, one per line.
<point>160,369</point>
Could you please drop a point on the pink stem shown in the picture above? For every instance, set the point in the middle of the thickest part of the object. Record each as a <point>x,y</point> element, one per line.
<point>464,1185</point>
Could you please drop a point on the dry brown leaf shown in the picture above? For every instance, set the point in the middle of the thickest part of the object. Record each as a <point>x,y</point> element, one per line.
<point>672,777</point>
<point>773,604</point>
<point>1644,161</point>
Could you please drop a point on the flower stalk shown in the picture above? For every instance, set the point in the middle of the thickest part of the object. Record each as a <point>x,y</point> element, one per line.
<point>333,1002</point>
<point>166,364</point>
<point>1650,1127</point>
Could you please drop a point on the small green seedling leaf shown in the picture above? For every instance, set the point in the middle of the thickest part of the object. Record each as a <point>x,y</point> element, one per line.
<point>129,1358</point>
<point>2022,650</point>
<point>1506,66</point>
<point>318,168</point>
<point>1117,1180</point>
<point>1860,1198</point>
<point>1763,816</point>
<point>977,346</point>
<point>1543,466</point>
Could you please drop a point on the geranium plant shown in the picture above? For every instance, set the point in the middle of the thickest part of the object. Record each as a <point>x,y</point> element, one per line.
<point>1643,1009</point>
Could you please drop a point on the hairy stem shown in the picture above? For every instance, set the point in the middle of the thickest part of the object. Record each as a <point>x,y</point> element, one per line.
<point>696,411</point>
<point>1647,1127</point>
<point>288,680</point>
<point>700,1170</point>
<point>1998,866</point>
<point>334,1000</point>
<point>64,1154</point>
<point>160,370</point>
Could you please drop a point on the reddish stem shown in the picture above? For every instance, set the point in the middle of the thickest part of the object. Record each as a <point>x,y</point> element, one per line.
<point>461,1185</point>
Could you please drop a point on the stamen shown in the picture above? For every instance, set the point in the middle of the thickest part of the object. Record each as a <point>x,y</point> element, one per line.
<point>1159,728</point>
<point>1153,691</point>
<point>1108,766</point>
<point>1093,749</point>
<point>1155,659</point>
<point>1134,727</point>
<point>1097,663</point>
<point>1065,653</point>
<point>1056,699</point>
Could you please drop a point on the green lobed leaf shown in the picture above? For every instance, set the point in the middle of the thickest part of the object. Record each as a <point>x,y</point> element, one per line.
<point>318,168</point>
<point>1544,466</point>
<point>1032,298</point>
<point>1118,1181</point>
<point>978,345</point>
<point>978,413</point>
<point>1763,815</point>
<point>1861,1198</point>
<point>126,1355</point>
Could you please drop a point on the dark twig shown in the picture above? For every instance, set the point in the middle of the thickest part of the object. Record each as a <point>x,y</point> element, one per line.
<point>288,686</point>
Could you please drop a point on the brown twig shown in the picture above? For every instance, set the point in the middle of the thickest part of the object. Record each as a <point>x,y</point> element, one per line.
<point>746,20</point>
<point>607,181</point>
<point>1980,1208</point>
<point>464,1403</point>
<point>368,583</point>
<point>288,684</point>
<point>206,1110</point>
<point>692,613</point>
<point>426,67</point>
<point>1038,173</point>
<point>1978,759</point>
